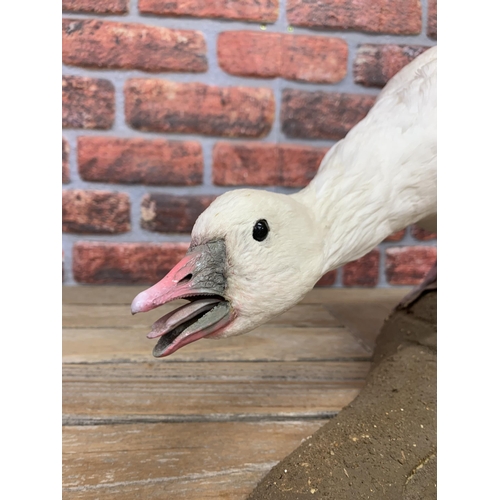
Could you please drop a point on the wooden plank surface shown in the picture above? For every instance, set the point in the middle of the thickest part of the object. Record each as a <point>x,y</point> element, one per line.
<point>330,296</point>
<point>131,391</point>
<point>211,420</point>
<point>159,461</point>
<point>104,294</point>
<point>363,311</point>
<point>265,343</point>
<point>117,316</point>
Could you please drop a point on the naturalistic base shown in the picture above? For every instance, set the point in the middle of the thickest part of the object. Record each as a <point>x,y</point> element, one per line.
<point>383,445</point>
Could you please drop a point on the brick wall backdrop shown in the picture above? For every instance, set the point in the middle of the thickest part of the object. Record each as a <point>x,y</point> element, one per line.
<point>167,104</point>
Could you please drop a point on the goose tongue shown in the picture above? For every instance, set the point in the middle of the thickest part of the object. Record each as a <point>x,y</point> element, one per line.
<point>181,315</point>
<point>194,329</point>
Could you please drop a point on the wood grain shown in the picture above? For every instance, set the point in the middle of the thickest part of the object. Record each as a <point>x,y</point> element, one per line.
<point>265,343</point>
<point>330,296</point>
<point>183,460</point>
<point>115,316</point>
<point>103,294</point>
<point>364,314</point>
<point>211,420</point>
<point>169,391</point>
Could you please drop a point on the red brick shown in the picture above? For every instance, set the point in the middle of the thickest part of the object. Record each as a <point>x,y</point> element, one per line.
<point>124,263</point>
<point>408,265</point>
<point>96,7</point>
<point>250,53</point>
<point>140,161</point>
<point>87,103</point>
<point>264,164</point>
<point>322,115</point>
<point>264,11</point>
<point>362,272</point>
<point>65,163</point>
<point>327,279</point>
<point>397,236</point>
<point>422,234</point>
<point>96,212</point>
<point>195,108</point>
<point>164,213</point>
<point>94,43</point>
<point>294,57</point>
<point>397,17</point>
<point>432,19</point>
<point>375,64</point>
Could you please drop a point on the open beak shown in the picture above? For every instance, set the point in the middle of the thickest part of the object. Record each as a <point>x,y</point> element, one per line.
<point>200,277</point>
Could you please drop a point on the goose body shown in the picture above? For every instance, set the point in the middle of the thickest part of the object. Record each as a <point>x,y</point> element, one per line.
<point>254,253</point>
<point>382,176</point>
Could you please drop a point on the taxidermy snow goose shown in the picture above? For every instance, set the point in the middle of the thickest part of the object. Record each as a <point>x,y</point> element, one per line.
<point>254,254</point>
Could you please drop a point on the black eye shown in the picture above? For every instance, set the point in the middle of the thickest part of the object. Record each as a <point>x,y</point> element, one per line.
<point>260,230</point>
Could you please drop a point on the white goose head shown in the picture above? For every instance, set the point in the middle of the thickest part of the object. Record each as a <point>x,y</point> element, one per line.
<point>253,255</point>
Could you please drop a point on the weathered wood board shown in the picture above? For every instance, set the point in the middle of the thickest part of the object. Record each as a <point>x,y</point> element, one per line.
<point>210,460</point>
<point>211,420</point>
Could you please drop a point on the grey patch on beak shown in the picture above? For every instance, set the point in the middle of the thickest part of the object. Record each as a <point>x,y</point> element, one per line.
<point>210,268</point>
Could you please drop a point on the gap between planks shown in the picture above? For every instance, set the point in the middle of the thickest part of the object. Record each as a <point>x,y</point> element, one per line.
<point>84,420</point>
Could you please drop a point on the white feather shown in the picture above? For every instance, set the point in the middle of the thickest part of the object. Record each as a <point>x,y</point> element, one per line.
<point>382,176</point>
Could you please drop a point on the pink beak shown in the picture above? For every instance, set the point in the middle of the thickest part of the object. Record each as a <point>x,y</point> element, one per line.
<point>200,273</point>
<point>175,285</point>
